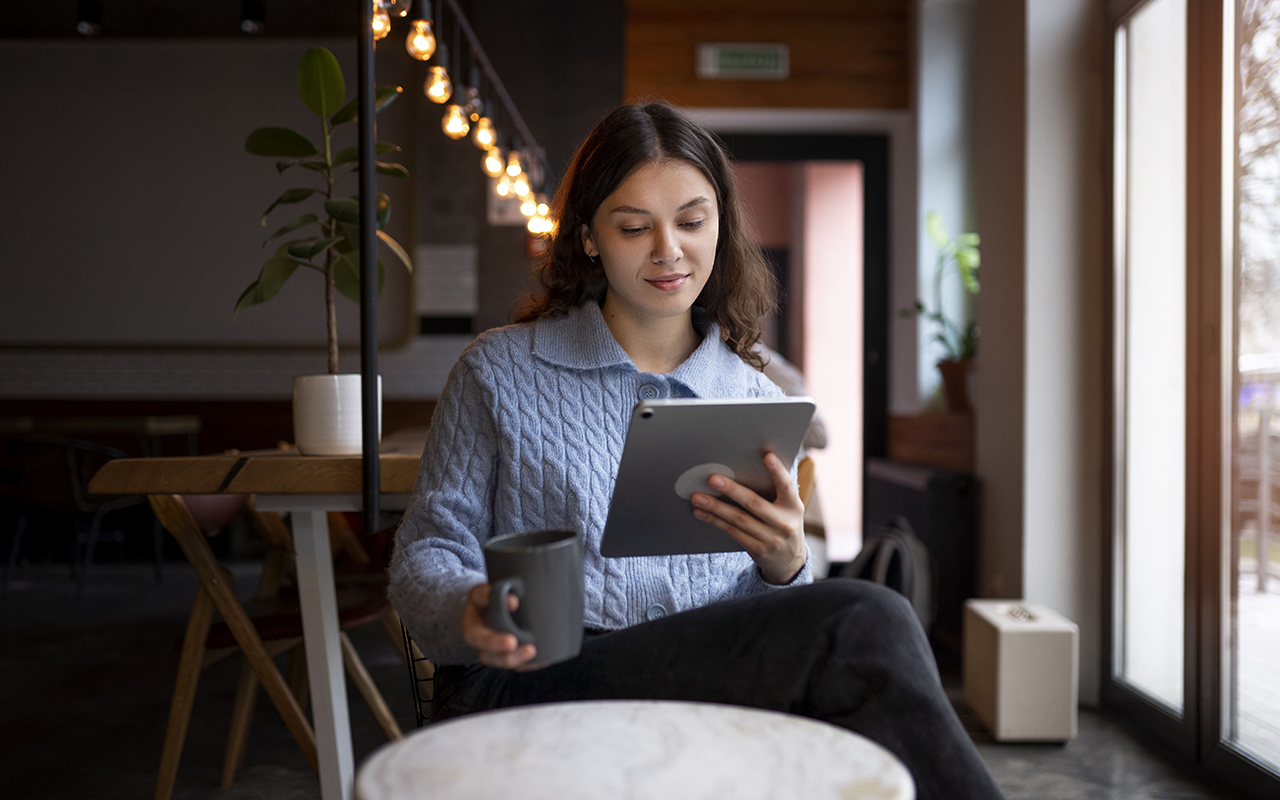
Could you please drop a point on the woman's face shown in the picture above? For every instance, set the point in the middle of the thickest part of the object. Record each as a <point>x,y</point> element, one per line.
<point>656,238</point>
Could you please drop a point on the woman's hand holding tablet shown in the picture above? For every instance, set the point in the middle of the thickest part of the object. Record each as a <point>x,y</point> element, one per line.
<point>771,533</point>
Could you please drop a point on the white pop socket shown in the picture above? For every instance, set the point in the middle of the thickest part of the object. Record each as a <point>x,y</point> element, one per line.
<point>694,479</point>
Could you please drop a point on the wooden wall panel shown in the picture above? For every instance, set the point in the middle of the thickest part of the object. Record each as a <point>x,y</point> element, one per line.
<point>844,53</point>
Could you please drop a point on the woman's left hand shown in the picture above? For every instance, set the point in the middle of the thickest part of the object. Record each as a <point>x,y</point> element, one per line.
<point>772,533</point>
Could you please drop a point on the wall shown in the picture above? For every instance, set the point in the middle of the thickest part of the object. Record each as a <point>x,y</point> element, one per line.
<point>1038,392</point>
<point>562,63</point>
<point>843,53</point>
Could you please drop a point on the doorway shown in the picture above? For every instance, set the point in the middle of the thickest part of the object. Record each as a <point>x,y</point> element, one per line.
<point>820,205</point>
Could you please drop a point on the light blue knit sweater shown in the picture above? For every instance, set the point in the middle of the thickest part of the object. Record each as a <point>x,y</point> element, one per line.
<point>528,435</point>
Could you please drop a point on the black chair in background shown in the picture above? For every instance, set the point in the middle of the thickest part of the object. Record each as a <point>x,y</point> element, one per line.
<point>52,475</point>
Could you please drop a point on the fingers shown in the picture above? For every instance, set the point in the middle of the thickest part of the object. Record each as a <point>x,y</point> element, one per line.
<point>783,484</point>
<point>494,648</point>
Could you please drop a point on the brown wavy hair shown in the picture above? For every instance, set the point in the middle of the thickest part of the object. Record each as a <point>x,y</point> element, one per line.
<point>740,290</point>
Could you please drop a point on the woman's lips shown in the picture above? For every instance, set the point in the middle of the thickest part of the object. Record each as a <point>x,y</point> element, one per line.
<point>667,283</point>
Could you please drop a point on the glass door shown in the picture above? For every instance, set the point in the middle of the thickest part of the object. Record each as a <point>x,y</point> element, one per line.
<point>1251,544</point>
<point>1149,374</point>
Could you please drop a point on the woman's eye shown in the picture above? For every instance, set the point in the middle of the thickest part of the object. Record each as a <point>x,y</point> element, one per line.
<point>693,224</point>
<point>632,231</point>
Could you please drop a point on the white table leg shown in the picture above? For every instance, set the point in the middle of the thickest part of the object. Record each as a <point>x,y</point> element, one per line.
<point>324,654</point>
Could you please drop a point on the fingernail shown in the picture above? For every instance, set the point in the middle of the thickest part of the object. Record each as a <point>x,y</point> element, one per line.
<point>716,481</point>
<point>699,500</point>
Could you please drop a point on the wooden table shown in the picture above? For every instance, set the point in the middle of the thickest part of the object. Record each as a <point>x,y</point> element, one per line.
<point>307,487</point>
<point>644,750</point>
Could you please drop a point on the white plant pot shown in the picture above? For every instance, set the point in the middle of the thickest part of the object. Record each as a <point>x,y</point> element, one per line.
<point>326,414</point>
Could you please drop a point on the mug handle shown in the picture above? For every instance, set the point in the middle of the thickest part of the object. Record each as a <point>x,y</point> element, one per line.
<point>499,616</point>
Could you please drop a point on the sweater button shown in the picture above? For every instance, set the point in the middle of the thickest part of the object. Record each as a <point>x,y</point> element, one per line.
<point>656,611</point>
<point>649,392</point>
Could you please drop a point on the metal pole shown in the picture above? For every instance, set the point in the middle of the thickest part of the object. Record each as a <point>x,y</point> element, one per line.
<point>369,394</point>
<point>1264,499</point>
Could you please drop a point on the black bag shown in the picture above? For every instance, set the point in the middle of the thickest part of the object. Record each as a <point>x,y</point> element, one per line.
<point>894,556</point>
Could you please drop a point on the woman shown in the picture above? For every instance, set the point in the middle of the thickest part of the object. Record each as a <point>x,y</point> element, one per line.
<point>652,287</point>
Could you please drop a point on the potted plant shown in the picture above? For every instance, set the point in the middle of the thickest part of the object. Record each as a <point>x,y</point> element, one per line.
<point>326,408</point>
<point>958,337</point>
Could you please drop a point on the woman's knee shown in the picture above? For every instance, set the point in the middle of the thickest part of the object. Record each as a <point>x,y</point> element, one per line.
<point>865,597</point>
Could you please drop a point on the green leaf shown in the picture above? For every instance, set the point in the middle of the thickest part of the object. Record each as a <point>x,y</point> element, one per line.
<point>968,240</point>
<point>395,247</point>
<point>349,154</point>
<point>278,142</point>
<point>289,196</point>
<point>320,81</point>
<point>391,169</point>
<point>383,96</point>
<point>307,249</point>
<point>346,276</point>
<point>293,225</point>
<point>384,209</point>
<point>343,210</point>
<point>275,271</point>
<point>933,226</point>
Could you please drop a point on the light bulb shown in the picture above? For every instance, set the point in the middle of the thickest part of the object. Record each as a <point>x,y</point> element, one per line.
<point>513,163</point>
<point>438,87</point>
<point>539,223</point>
<point>529,207</point>
<point>484,135</point>
<point>474,104</point>
<point>503,187</point>
<point>520,186</point>
<point>397,8</point>
<point>492,163</point>
<point>455,123</point>
<point>421,42</point>
<point>542,205</point>
<point>381,23</point>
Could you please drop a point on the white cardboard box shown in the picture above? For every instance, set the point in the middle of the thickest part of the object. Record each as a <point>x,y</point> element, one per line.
<point>1021,670</point>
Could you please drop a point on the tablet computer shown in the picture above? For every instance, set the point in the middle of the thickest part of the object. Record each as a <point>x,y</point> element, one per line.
<point>672,447</point>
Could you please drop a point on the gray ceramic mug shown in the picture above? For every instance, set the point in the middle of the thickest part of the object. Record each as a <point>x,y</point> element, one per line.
<point>544,570</point>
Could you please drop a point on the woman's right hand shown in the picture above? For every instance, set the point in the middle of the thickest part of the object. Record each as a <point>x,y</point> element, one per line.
<point>495,648</point>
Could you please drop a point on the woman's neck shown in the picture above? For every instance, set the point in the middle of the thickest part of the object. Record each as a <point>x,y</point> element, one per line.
<point>656,344</point>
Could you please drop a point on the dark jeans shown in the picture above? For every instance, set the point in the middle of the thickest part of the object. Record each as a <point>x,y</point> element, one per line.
<point>848,652</point>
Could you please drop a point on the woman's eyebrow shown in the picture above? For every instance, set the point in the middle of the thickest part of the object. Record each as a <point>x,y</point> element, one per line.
<point>633,210</point>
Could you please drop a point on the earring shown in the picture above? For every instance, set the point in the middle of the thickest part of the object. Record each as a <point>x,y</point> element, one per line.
<point>594,259</point>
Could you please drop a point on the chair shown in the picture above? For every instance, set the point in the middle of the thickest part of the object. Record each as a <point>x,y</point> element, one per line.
<point>266,627</point>
<point>53,473</point>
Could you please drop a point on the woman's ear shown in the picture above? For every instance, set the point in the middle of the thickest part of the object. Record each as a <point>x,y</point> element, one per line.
<point>588,244</point>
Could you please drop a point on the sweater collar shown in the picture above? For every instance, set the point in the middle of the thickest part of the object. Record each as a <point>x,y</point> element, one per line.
<point>581,339</point>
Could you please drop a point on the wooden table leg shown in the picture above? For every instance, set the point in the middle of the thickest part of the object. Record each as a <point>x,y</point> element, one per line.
<point>324,654</point>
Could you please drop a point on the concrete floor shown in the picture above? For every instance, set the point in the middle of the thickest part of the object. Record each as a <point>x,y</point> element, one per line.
<point>87,688</point>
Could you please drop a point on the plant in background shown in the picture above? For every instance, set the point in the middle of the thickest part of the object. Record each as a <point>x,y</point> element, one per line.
<point>958,337</point>
<point>332,246</point>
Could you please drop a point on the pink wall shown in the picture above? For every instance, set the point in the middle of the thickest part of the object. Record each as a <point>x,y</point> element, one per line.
<point>765,188</point>
<point>832,268</point>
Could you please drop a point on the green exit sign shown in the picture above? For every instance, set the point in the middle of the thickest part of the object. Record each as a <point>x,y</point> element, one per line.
<point>765,62</point>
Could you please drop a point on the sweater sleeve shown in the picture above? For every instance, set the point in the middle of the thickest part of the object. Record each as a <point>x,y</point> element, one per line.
<point>438,556</point>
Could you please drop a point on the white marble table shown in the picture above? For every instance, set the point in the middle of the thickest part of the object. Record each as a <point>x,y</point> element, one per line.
<point>641,750</point>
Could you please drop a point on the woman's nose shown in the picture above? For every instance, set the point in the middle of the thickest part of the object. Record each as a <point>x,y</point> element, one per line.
<point>666,249</point>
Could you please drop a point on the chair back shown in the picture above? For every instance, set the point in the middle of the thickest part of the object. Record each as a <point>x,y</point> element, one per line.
<point>54,471</point>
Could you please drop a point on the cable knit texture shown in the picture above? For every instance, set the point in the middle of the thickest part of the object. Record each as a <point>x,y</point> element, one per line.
<point>528,435</point>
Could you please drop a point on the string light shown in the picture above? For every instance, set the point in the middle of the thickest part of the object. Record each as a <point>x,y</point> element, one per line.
<point>421,41</point>
<point>543,208</point>
<point>455,123</point>
<point>474,104</point>
<point>492,163</point>
<point>520,185</point>
<point>396,8</point>
<point>513,163</point>
<point>438,88</point>
<point>484,135</point>
<point>381,22</point>
<point>539,224</point>
<point>529,206</point>
<point>503,187</point>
